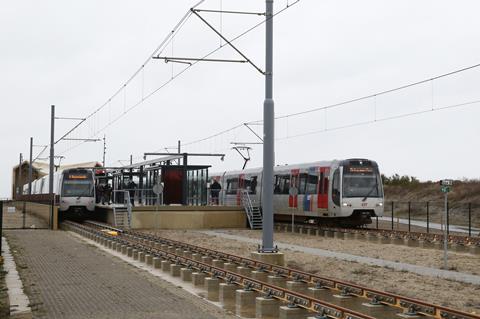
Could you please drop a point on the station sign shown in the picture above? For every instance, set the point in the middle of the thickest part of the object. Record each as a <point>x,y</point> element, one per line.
<point>445,189</point>
<point>446,182</point>
<point>446,185</point>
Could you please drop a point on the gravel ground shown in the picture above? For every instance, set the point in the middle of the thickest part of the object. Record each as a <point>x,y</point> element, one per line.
<point>433,258</point>
<point>443,292</point>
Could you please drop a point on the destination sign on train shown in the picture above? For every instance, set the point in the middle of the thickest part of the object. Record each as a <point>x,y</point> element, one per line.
<point>77,176</point>
<point>360,169</point>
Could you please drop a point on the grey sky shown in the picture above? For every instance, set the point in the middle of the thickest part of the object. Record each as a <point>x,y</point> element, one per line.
<point>77,54</point>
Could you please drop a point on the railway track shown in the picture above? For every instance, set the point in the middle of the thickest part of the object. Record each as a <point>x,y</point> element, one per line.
<point>322,296</point>
<point>385,235</point>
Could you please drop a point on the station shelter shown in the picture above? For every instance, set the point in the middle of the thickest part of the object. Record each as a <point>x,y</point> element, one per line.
<point>167,180</point>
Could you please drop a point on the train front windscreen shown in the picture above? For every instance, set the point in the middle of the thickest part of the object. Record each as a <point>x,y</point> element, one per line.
<point>78,184</point>
<point>361,181</point>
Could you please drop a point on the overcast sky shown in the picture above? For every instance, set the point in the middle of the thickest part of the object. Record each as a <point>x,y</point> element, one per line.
<point>77,54</point>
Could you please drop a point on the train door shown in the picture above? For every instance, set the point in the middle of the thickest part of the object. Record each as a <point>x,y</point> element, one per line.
<point>322,201</point>
<point>241,187</point>
<point>311,182</point>
<point>335,197</point>
<point>293,191</point>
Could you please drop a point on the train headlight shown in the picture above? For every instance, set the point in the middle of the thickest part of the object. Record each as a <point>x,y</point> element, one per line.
<point>347,204</point>
<point>380,204</point>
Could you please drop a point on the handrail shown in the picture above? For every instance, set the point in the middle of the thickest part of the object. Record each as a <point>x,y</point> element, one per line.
<point>247,205</point>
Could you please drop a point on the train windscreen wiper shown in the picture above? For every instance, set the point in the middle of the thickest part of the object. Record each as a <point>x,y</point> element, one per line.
<point>369,192</point>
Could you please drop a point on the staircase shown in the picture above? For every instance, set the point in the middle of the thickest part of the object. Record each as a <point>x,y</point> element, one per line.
<point>254,213</point>
<point>122,213</point>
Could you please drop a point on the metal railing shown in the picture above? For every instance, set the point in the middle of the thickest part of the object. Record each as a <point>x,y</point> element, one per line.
<point>461,217</point>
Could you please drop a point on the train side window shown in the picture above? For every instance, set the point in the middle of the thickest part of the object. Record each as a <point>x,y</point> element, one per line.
<point>232,186</point>
<point>312,182</point>
<point>276,188</point>
<point>336,187</point>
<point>282,184</point>
<point>325,184</point>
<point>286,184</point>
<point>302,183</point>
<point>253,184</point>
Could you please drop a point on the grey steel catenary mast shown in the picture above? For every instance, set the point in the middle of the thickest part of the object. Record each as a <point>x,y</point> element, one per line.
<point>268,135</point>
<point>30,168</point>
<point>52,159</point>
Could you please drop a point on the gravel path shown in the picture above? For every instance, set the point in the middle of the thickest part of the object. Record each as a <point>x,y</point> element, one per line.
<point>65,277</point>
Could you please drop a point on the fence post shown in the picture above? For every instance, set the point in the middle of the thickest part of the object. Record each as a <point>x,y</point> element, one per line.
<point>470,219</point>
<point>1,225</point>
<point>392,214</point>
<point>428,217</point>
<point>409,211</point>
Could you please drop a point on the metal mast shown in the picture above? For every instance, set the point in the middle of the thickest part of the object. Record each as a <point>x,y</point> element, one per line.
<point>268,135</point>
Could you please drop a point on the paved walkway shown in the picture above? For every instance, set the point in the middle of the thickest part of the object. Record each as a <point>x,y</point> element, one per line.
<point>425,271</point>
<point>65,277</point>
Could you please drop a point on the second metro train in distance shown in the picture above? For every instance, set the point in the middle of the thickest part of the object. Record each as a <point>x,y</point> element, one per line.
<point>345,193</point>
<point>75,188</point>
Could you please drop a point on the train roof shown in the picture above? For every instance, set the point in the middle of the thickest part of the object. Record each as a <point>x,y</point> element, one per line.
<point>300,166</point>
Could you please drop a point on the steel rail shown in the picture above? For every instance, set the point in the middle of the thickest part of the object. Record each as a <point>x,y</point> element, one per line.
<point>387,299</point>
<point>409,305</point>
<point>406,303</point>
<point>282,294</point>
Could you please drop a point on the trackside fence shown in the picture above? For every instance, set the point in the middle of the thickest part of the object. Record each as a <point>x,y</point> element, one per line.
<point>461,217</point>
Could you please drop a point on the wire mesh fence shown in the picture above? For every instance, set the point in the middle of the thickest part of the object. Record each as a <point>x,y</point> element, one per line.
<point>24,215</point>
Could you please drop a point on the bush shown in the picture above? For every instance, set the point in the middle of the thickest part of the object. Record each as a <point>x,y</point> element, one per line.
<point>397,180</point>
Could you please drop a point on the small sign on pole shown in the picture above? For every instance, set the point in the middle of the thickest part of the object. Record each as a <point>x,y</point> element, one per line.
<point>445,184</point>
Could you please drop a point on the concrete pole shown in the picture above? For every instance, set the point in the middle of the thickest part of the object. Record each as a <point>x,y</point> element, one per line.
<point>52,161</point>
<point>445,236</point>
<point>30,168</point>
<point>179,147</point>
<point>268,135</point>
<point>19,186</point>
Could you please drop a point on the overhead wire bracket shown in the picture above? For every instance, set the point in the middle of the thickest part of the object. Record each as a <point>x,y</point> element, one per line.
<point>185,60</point>
<point>226,41</point>
<point>227,11</point>
<point>255,133</point>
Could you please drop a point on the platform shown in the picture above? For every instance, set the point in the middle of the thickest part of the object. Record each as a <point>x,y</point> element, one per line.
<point>180,217</point>
<point>65,277</point>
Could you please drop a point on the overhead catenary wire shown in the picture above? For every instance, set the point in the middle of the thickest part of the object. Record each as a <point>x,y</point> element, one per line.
<point>316,109</point>
<point>158,51</point>
<point>375,95</point>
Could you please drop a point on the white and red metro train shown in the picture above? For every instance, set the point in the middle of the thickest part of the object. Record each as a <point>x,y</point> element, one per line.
<point>337,193</point>
<point>75,188</point>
